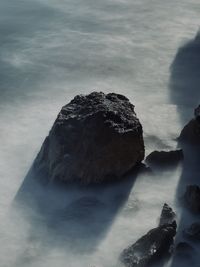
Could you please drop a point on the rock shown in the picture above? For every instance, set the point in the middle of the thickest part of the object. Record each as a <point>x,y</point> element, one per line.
<point>164,158</point>
<point>193,231</point>
<point>167,215</point>
<point>197,113</point>
<point>156,245</point>
<point>191,132</point>
<point>192,198</point>
<point>95,138</point>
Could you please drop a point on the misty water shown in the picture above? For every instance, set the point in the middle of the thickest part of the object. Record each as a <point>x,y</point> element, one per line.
<point>51,50</point>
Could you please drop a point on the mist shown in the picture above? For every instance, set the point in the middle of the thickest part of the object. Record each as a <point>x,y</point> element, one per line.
<point>51,51</point>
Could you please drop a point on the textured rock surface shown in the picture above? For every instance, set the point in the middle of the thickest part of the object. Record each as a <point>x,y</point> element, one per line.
<point>164,158</point>
<point>193,231</point>
<point>191,132</point>
<point>167,215</point>
<point>192,198</point>
<point>95,138</point>
<point>152,247</point>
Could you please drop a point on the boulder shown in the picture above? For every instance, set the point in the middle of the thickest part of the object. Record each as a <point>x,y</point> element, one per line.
<point>164,158</point>
<point>192,198</point>
<point>155,246</point>
<point>167,215</point>
<point>193,231</point>
<point>95,138</point>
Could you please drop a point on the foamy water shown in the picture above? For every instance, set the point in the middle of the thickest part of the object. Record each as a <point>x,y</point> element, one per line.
<point>51,51</point>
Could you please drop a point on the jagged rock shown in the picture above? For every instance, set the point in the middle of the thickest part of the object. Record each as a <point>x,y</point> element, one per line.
<point>191,132</point>
<point>95,138</point>
<point>193,231</point>
<point>165,158</point>
<point>167,215</point>
<point>152,247</point>
<point>192,198</point>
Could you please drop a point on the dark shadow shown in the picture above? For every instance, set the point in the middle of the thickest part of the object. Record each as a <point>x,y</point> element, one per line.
<point>185,93</point>
<point>69,216</point>
<point>185,78</point>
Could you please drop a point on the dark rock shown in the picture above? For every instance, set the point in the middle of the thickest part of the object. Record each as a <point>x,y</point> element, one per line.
<point>95,138</point>
<point>164,158</point>
<point>167,215</point>
<point>155,246</point>
<point>192,198</point>
<point>193,231</point>
<point>191,132</point>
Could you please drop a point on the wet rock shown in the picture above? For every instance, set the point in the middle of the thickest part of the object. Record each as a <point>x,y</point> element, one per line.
<point>95,138</point>
<point>155,246</point>
<point>191,132</point>
<point>193,231</point>
<point>192,198</point>
<point>167,215</point>
<point>164,158</point>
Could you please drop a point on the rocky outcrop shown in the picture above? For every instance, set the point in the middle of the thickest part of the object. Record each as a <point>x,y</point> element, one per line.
<point>164,158</point>
<point>167,215</point>
<point>191,132</point>
<point>192,198</point>
<point>95,138</point>
<point>152,247</point>
<point>193,231</point>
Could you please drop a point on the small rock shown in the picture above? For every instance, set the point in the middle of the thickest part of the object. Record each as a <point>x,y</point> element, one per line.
<point>167,215</point>
<point>165,158</point>
<point>192,198</point>
<point>155,245</point>
<point>191,131</point>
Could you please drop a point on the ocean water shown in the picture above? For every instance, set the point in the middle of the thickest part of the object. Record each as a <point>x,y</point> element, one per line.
<point>52,50</point>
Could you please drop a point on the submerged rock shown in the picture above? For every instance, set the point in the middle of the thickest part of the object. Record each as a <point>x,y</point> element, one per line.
<point>164,158</point>
<point>95,138</point>
<point>152,247</point>
<point>193,231</point>
<point>192,198</point>
<point>167,215</point>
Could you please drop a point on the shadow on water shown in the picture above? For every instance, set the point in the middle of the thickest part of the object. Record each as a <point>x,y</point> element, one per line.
<point>185,93</point>
<point>71,217</point>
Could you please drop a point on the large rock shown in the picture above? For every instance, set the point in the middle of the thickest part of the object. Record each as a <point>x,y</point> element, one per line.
<point>192,198</point>
<point>95,138</point>
<point>152,247</point>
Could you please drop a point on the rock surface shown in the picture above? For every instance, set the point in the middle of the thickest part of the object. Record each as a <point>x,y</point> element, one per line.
<point>95,138</point>
<point>193,231</point>
<point>152,247</point>
<point>191,132</point>
<point>192,198</point>
<point>167,215</point>
<point>164,158</point>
